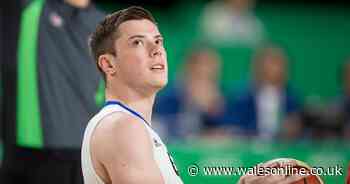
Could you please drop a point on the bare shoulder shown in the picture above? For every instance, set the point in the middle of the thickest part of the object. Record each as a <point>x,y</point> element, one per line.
<point>121,149</point>
<point>119,130</point>
<point>119,124</point>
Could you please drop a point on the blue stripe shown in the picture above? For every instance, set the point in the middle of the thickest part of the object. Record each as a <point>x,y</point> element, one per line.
<point>126,108</point>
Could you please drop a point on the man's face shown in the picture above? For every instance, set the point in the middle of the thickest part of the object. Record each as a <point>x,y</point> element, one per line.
<point>140,55</point>
<point>273,69</point>
<point>205,68</point>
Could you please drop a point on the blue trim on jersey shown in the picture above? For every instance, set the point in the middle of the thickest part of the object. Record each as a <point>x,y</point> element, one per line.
<point>113,102</point>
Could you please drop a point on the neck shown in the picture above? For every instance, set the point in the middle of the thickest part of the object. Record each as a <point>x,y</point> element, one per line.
<point>138,102</point>
<point>275,84</point>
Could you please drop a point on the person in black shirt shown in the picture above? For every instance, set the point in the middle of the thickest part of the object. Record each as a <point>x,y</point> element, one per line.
<point>51,85</point>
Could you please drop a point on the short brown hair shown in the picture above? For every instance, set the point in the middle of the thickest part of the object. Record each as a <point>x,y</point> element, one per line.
<point>102,40</point>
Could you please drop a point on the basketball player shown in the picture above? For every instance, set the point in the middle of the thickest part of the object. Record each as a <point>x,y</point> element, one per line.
<point>119,144</point>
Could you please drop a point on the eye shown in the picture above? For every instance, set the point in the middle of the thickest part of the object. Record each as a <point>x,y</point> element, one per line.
<point>159,41</point>
<point>137,43</point>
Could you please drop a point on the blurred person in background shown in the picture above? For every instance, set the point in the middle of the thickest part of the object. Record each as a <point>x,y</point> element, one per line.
<point>268,108</point>
<point>232,22</point>
<point>194,106</point>
<point>331,121</point>
<point>334,119</point>
<point>50,87</point>
<point>344,102</point>
<point>325,121</point>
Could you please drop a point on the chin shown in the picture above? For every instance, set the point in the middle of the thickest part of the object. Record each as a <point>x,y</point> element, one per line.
<point>159,84</point>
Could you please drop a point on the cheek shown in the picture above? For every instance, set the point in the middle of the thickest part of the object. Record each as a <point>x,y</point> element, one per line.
<point>165,58</point>
<point>134,55</point>
<point>134,58</point>
<point>133,68</point>
<point>164,54</point>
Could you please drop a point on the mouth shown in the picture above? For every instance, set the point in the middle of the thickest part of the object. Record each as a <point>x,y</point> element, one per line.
<point>158,67</point>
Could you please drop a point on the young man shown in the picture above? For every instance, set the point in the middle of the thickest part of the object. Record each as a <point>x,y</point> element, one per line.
<point>119,144</point>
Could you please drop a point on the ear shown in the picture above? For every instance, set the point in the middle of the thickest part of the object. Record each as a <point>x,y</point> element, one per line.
<point>107,64</point>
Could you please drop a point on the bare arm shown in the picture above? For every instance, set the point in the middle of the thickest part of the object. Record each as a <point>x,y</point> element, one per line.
<point>122,151</point>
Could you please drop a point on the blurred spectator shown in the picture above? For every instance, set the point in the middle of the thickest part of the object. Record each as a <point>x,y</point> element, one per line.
<point>194,105</point>
<point>344,103</point>
<point>333,121</point>
<point>51,83</point>
<point>232,22</point>
<point>268,108</point>
<point>324,121</point>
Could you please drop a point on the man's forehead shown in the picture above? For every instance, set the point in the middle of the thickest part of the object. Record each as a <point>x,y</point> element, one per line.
<point>138,27</point>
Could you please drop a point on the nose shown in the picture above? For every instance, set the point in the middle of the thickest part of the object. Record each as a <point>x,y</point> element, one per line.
<point>156,50</point>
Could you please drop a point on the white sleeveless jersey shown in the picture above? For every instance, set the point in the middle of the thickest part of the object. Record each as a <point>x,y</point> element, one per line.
<point>160,152</point>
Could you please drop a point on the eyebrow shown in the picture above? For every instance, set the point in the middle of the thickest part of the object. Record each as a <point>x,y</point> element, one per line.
<point>142,36</point>
<point>158,36</point>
